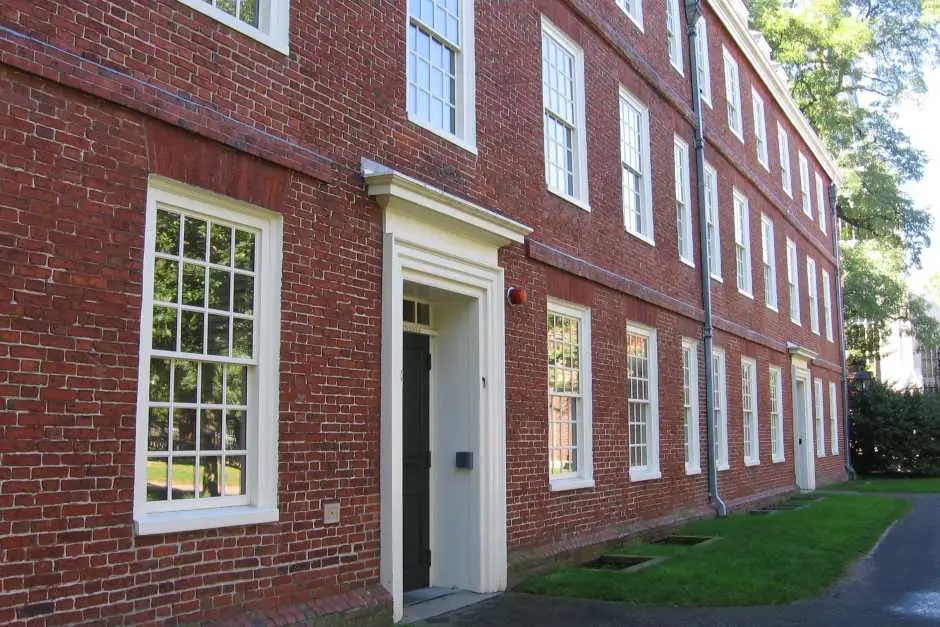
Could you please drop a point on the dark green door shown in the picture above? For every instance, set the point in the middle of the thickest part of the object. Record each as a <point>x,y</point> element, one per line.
<point>416,385</point>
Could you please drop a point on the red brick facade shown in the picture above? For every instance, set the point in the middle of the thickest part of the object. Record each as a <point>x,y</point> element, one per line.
<point>97,96</point>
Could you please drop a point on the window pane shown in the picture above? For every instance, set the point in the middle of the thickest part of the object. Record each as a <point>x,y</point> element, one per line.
<point>184,382</point>
<point>211,384</point>
<point>219,289</point>
<point>218,335</point>
<point>242,338</point>
<point>220,251</point>
<point>244,299</point>
<point>191,332</point>
<point>244,250</point>
<point>194,285</point>
<point>184,429</point>
<point>184,477</point>
<point>164,328</point>
<point>159,380</point>
<point>235,476</point>
<point>210,438</point>
<point>157,479</point>
<point>168,232</point>
<point>209,477</point>
<point>235,430</point>
<point>194,238</point>
<point>236,382</point>
<point>165,280</point>
<point>158,429</point>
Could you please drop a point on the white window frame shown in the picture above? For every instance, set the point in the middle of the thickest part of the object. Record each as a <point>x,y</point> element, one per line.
<point>733,94</point>
<point>760,129</point>
<point>674,36</point>
<point>713,229</point>
<point>751,420</point>
<point>806,198</point>
<point>833,419</point>
<point>820,418</point>
<point>812,294</point>
<point>584,477</point>
<point>690,409</point>
<point>704,69</point>
<point>783,150</point>
<point>465,79</point>
<point>273,30</point>
<point>259,505</point>
<point>652,470</point>
<point>683,202</point>
<point>720,396</point>
<point>633,10</point>
<point>742,244</point>
<point>827,303</point>
<point>793,283</point>
<point>820,202</point>
<point>769,262</point>
<point>579,142</point>
<point>646,195</point>
<point>777,449</point>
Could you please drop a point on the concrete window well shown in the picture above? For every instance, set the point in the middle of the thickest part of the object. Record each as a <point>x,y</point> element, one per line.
<point>622,563</point>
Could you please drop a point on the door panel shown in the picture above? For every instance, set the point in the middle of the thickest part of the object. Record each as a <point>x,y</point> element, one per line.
<point>416,498</point>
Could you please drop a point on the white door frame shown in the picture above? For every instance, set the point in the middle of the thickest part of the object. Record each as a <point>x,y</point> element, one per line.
<point>804,455</point>
<point>435,239</point>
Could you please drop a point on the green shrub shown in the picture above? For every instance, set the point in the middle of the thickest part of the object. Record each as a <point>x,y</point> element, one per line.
<point>895,432</point>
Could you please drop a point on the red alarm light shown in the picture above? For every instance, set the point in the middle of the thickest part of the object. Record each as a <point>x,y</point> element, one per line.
<point>517,296</point>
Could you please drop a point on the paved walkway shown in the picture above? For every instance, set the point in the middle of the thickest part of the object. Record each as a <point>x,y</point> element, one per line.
<point>899,584</point>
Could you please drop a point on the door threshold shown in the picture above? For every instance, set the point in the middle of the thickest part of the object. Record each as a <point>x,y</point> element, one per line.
<point>435,601</point>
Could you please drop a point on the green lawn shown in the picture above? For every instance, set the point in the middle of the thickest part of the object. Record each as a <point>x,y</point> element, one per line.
<point>899,485</point>
<point>759,560</point>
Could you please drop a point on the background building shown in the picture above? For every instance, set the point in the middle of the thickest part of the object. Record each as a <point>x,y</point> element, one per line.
<point>255,348</point>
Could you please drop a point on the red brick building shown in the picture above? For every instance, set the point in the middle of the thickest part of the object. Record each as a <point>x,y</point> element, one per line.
<point>255,346</point>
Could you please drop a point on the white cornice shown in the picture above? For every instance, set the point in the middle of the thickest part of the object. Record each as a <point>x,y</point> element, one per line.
<point>801,352</point>
<point>386,184</point>
<point>778,87</point>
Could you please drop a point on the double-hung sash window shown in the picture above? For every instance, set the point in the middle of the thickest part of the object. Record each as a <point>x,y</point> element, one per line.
<point>812,295</point>
<point>643,403</point>
<point>749,411</point>
<point>266,21</point>
<point>440,67</point>
<point>683,206</point>
<point>712,226</point>
<point>742,244</point>
<point>563,103</point>
<point>760,128</point>
<point>690,406</point>
<point>569,396</point>
<point>635,166</point>
<point>793,282</point>
<point>820,202</point>
<point>827,303</point>
<point>769,259</point>
<point>719,397</point>
<point>207,393</point>
<point>674,34</point>
<point>776,414</point>
<point>634,10</point>
<point>820,419</point>
<point>783,144</point>
<point>733,94</point>
<point>703,69</point>
<point>833,419</point>
<point>805,199</point>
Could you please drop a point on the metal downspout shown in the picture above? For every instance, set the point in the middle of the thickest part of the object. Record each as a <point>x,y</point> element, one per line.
<point>693,12</point>
<point>836,230</point>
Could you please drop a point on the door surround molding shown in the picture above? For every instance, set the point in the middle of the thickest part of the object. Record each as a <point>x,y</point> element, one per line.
<point>435,239</point>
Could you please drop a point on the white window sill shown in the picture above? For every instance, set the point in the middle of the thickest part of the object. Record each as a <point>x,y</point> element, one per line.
<point>696,470</point>
<point>641,237</point>
<point>816,333</point>
<point>679,68</point>
<point>752,462</point>
<point>454,139</point>
<point>779,460</point>
<point>766,165</point>
<point>717,277</point>
<point>773,309</point>
<point>191,520</point>
<point>738,134</point>
<point>796,322</point>
<point>577,202</point>
<point>687,262</point>
<point>788,192</point>
<point>637,22</point>
<point>639,474</point>
<point>572,483</point>
<point>707,101</point>
<point>743,293</point>
<point>723,467</point>
<point>275,43</point>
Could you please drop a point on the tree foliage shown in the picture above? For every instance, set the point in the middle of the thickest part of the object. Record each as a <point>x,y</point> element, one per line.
<point>895,432</point>
<point>849,62</point>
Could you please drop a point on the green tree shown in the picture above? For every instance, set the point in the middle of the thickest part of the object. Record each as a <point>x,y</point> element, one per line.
<point>849,62</point>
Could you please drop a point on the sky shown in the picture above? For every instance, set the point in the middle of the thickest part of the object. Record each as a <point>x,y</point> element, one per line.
<point>920,119</point>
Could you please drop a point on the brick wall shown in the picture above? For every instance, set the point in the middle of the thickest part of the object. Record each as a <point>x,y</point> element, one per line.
<point>82,125</point>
